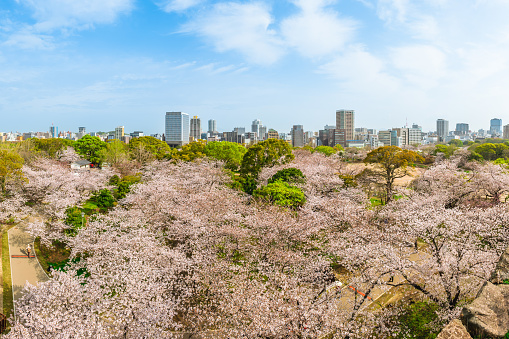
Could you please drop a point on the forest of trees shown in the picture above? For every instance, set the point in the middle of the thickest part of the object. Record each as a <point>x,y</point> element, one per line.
<point>267,241</point>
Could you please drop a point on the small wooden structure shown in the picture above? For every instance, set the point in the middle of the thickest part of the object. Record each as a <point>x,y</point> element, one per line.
<point>81,164</point>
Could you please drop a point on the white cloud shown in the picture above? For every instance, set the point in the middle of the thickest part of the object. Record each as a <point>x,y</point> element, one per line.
<point>60,14</point>
<point>421,65</point>
<point>316,31</point>
<point>178,5</point>
<point>28,40</point>
<point>393,10</point>
<point>243,28</point>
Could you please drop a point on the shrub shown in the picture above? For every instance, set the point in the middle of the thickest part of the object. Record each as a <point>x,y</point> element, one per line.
<point>282,194</point>
<point>103,199</point>
<point>289,175</point>
<point>420,320</point>
<point>74,219</point>
<point>328,151</point>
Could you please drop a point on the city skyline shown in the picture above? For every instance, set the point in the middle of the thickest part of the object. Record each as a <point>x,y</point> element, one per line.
<point>117,61</point>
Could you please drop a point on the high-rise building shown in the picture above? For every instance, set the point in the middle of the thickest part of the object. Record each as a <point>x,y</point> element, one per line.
<point>496,127</point>
<point>345,119</point>
<point>255,126</point>
<point>212,127</point>
<point>297,136</point>
<point>119,132</point>
<point>385,137</point>
<point>177,129</point>
<point>136,134</point>
<point>461,129</point>
<point>195,131</point>
<point>53,131</point>
<point>442,129</point>
<point>82,130</point>
<point>506,132</point>
<point>403,134</point>
<point>262,134</point>
<point>415,135</point>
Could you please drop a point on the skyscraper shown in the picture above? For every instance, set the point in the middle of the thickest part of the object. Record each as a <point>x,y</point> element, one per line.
<point>255,127</point>
<point>461,129</point>
<point>297,136</point>
<point>345,119</point>
<point>496,127</point>
<point>53,131</point>
<point>195,131</point>
<point>212,127</point>
<point>177,129</point>
<point>506,132</point>
<point>119,132</point>
<point>442,129</point>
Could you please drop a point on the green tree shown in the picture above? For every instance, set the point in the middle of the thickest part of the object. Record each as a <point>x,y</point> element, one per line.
<point>229,152</point>
<point>282,194</point>
<point>115,153</point>
<point>288,175</point>
<point>103,199</point>
<point>11,165</point>
<point>456,142</point>
<point>446,150</point>
<point>490,151</point>
<point>267,153</point>
<point>327,150</point>
<point>157,148</point>
<point>75,218</point>
<point>90,147</point>
<point>191,151</point>
<point>390,163</point>
<point>50,147</point>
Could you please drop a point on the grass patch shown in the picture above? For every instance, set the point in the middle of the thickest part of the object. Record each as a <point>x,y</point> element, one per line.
<point>6,277</point>
<point>53,256</point>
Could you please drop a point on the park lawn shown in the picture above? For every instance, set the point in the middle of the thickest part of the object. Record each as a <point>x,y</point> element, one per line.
<point>6,277</point>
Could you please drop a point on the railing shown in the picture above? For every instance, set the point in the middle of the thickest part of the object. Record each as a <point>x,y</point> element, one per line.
<point>3,322</point>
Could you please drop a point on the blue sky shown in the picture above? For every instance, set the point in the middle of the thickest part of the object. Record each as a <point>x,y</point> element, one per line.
<point>104,63</point>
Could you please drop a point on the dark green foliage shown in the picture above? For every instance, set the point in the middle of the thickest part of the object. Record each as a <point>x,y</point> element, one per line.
<point>103,199</point>
<point>418,320</point>
<point>229,152</point>
<point>289,175</point>
<point>282,194</point>
<point>265,154</point>
<point>90,147</point>
<point>474,156</point>
<point>124,185</point>
<point>114,180</point>
<point>328,151</point>
<point>191,151</point>
<point>75,219</point>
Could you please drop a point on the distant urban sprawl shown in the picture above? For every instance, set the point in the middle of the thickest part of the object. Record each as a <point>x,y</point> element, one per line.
<point>180,129</point>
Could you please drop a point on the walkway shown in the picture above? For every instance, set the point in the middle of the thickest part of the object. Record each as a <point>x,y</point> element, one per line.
<point>23,269</point>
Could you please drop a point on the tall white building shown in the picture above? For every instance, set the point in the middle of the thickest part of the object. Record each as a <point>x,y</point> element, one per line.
<point>297,136</point>
<point>177,129</point>
<point>255,126</point>
<point>195,128</point>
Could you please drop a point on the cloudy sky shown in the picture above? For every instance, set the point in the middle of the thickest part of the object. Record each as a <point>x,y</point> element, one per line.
<point>104,63</point>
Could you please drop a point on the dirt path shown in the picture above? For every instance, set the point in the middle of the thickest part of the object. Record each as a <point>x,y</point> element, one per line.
<point>23,269</point>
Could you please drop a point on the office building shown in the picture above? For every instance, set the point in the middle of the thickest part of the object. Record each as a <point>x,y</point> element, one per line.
<point>53,131</point>
<point>212,127</point>
<point>136,134</point>
<point>385,137</point>
<point>240,130</point>
<point>415,135</point>
<point>297,133</point>
<point>195,128</point>
<point>255,126</point>
<point>506,132</point>
<point>233,137</point>
<point>345,119</point>
<point>461,129</point>
<point>262,133</point>
<point>177,129</point>
<point>442,129</point>
<point>496,127</point>
<point>119,132</point>
<point>402,133</point>
<point>272,134</point>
